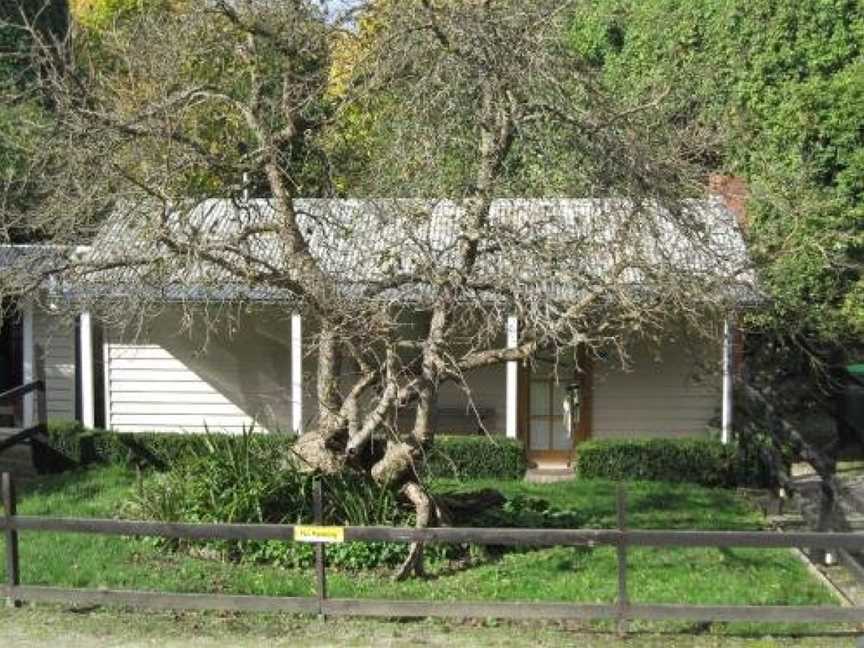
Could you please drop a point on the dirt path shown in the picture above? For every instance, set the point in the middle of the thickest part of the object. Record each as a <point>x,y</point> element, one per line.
<point>38,627</point>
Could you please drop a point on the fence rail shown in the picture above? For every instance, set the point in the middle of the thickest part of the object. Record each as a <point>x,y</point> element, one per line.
<point>621,538</point>
<point>21,390</point>
<point>35,431</point>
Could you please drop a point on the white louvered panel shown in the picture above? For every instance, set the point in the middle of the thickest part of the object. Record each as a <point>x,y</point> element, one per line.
<point>163,380</point>
<point>159,364</point>
<point>207,410</point>
<point>154,375</point>
<point>168,397</point>
<point>122,386</point>
<point>178,420</point>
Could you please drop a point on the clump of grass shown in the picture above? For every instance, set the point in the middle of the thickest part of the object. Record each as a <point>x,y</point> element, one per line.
<point>238,480</point>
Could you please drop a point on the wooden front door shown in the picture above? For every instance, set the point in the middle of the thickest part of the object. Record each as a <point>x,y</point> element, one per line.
<point>550,432</point>
<point>556,412</point>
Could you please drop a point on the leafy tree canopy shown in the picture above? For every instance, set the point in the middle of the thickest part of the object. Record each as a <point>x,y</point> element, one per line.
<point>137,51</point>
<point>781,84</point>
<point>99,14</point>
<point>23,113</point>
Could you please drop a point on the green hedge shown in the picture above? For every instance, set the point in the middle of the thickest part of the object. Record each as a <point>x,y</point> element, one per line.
<point>159,450</point>
<point>464,457</point>
<point>451,456</point>
<point>700,461</point>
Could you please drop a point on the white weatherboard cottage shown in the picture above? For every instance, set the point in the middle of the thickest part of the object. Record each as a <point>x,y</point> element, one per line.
<point>156,378</point>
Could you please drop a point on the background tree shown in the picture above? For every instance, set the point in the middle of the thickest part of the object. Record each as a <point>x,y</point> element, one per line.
<point>97,15</point>
<point>785,81</point>
<point>25,113</point>
<point>465,103</point>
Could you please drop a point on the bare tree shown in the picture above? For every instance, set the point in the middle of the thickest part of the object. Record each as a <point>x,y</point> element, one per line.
<point>468,110</point>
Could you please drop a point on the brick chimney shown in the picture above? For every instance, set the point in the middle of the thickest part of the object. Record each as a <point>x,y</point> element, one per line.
<point>731,191</point>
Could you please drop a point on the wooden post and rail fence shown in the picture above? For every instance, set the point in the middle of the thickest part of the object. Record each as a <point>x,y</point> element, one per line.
<point>37,388</point>
<point>622,538</point>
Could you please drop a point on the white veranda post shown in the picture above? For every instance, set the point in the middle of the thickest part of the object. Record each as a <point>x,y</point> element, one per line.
<point>85,345</point>
<point>296,374</point>
<point>28,361</point>
<point>728,380</point>
<point>512,377</point>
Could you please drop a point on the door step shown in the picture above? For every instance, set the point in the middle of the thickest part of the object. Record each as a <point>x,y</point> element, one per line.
<point>549,475</point>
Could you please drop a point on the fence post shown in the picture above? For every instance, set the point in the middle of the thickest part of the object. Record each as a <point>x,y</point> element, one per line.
<point>623,596</point>
<point>13,573</point>
<point>320,574</point>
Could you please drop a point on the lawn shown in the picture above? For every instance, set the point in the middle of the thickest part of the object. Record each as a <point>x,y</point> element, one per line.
<point>699,576</point>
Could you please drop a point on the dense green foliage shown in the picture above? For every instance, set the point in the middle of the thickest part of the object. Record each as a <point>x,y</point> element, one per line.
<point>249,478</point>
<point>475,457</point>
<point>127,42</point>
<point>100,14</point>
<point>147,449</point>
<point>699,461</point>
<point>781,84</point>
<point>239,479</point>
<point>24,117</point>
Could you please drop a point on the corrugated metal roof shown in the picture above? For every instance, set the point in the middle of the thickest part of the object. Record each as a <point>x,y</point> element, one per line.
<point>15,256</point>
<point>361,243</point>
<point>22,264</point>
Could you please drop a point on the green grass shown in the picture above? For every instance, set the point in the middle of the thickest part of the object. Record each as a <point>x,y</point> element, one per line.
<point>650,505</point>
<point>701,576</point>
<point>79,560</point>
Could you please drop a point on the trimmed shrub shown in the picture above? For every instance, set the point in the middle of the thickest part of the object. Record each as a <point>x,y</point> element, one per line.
<point>459,457</point>
<point>475,457</point>
<point>147,449</point>
<point>700,461</point>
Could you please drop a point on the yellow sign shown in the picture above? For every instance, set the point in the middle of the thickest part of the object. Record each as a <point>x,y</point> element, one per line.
<point>319,534</point>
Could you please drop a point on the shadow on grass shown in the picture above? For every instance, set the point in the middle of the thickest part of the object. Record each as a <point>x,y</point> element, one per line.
<point>735,558</point>
<point>76,491</point>
<point>80,481</point>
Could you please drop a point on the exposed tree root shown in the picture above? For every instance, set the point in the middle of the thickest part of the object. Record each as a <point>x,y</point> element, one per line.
<point>413,564</point>
<point>443,510</point>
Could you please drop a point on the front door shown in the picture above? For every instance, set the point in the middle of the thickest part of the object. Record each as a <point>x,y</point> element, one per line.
<point>550,420</point>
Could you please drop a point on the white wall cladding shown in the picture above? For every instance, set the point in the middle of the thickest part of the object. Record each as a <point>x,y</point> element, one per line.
<point>55,336</point>
<point>163,380</point>
<point>661,396</point>
<point>167,380</point>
